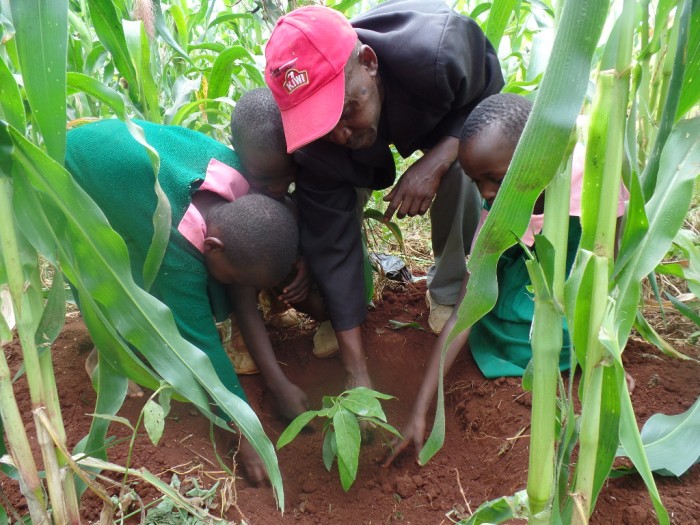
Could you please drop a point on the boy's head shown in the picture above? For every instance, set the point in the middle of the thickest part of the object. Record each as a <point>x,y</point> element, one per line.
<point>258,138</point>
<point>251,241</point>
<point>488,140</point>
<point>324,80</point>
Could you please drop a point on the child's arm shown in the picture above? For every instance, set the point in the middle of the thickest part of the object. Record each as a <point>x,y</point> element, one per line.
<point>414,431</point>
<point>291,400</point>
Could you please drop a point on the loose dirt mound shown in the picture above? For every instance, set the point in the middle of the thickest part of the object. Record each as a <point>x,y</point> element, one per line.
<point>485,453</point>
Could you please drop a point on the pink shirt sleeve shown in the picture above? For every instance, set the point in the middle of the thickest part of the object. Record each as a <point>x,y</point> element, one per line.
<point>221,179</point>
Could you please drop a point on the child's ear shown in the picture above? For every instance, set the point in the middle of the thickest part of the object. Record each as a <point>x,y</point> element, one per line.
<point>213,244</point>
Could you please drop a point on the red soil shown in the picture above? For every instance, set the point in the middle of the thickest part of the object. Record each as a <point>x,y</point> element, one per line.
<point>485,453</point>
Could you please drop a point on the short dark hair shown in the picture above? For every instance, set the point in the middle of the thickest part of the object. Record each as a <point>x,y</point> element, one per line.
<point>256,121</point>
<point>259,234</point>
<point>508,111</point>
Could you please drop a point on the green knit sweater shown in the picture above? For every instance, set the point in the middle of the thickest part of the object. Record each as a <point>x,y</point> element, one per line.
<point>116,172</point>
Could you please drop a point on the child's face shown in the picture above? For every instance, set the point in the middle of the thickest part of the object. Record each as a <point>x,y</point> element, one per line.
<point>485,158</point>
<point>268,173</point>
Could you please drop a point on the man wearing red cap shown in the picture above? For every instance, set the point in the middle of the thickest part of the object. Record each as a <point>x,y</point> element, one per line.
<point>407,73</point>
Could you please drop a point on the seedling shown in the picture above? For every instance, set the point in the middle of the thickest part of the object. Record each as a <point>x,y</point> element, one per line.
<point>344,415</point>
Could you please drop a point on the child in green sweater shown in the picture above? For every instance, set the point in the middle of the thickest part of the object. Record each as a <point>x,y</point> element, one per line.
<point>499,341</point>
<point>223,245</point>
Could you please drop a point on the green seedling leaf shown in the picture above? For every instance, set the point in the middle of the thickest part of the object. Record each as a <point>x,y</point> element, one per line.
<point>295,427</point>
<point>346,476</point>
<point>369,391</point>
<point>385,426</point>
<point>664,436</point>
<point>153,420</point>
<point>364,405</point>
<point>330,450</point>
<point>684,309</point>
<point>347,438</point>
<point>397,325</point>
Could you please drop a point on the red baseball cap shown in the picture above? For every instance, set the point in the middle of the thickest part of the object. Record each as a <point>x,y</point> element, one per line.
<point>305,70</point>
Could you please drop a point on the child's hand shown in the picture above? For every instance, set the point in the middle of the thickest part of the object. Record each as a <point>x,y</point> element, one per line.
<point>298,290</point>
<point>253,465</point>
<point>291,400</point>
<point>413,433</point>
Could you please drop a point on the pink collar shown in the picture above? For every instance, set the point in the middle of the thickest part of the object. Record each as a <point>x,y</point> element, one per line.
<point>222,180</point>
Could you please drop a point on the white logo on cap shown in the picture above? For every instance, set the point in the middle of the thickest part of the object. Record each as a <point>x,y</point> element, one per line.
<point>294,79</point>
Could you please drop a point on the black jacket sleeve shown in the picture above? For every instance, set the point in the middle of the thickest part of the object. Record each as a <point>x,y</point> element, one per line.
<point>330,221</point>
<point>436,64</point>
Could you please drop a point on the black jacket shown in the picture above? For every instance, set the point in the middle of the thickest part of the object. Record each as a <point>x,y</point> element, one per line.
<point>435,65</point>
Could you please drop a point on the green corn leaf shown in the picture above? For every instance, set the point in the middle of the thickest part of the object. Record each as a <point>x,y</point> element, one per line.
<point>101,92</point>
<point>165,33</point>
<point>109,30</point>
<point>43,65</point>
<point>690,90</point>
<point>666,210</point>
<point>91,252</point>
<point>684,309</point>
<point>629,433</point>
<point>647,332</point>
<point>154,421</point>
<point>140,50</point>
<point>499,14</point>
<point>295,427</point>
<point>54,315</point>
<point>330,450</point>
<point>220,75</point>
<point>11,99</point>
<point>664,436</point>
<point>347,438</point>
<point>670,104</point>
<point>537,158</point>
<point>182,92</point>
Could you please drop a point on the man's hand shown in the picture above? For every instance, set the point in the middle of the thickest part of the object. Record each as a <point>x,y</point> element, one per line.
<point>291,400</point>
<point>253,465</point>
<point>414,192</point>
<point>413,433</point>
<point>298,290</point>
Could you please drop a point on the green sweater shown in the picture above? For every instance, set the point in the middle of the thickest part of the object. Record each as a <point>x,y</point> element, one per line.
<point>116,172</point>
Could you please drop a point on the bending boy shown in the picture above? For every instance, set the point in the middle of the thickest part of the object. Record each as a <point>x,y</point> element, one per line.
<point>222,246</point>
<point>500,341</point>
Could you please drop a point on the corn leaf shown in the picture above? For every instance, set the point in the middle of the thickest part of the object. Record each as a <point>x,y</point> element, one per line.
<point>109,30</point>
<point>690,90</point>
<point>663,436</point>
<point>43,65</point>
<point>499,14</point>
<point>11,103</point>
<point>220,76</point>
